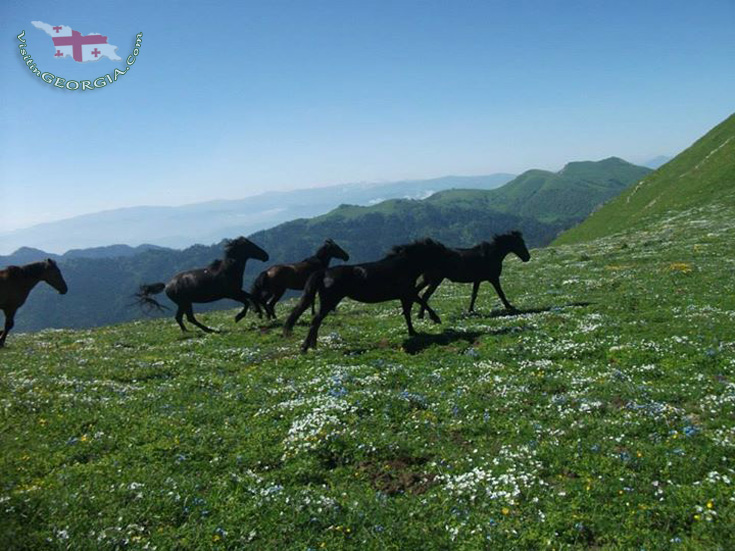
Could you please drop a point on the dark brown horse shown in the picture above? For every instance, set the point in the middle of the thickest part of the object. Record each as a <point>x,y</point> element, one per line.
<point>392,278</point>
<point>483,262</point>
<point>221,279</point>
<point>16,282</point>
<point>270,285</point>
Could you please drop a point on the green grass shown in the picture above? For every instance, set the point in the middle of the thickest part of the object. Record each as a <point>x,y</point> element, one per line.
<point>702,174</point>
<point>600,418</point>
<point>565,196</point>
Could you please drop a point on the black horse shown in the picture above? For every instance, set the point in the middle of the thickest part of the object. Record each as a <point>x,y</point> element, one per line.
<point>393,277</point>
<point>483,262</point>
<point>221,279</point>
<point>16,282</point>
<point>270,285</point>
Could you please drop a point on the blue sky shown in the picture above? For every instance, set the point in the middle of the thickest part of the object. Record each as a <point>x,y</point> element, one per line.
<point>228,100</point>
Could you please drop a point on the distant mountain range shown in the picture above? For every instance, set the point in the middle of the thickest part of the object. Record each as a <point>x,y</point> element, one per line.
<point>212,221</point>
<point>703,174</point>
<point>540,203</point>
<point>24,255</point>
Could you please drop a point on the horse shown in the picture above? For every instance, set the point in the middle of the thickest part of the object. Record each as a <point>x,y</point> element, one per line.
<point>270,285</point>
<point>392,278</point>
<point>16,282</point>
<point>483,262</point>
<point>221,279</point>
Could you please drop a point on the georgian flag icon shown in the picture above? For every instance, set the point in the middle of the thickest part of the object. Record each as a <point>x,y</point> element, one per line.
<point>81,48</point>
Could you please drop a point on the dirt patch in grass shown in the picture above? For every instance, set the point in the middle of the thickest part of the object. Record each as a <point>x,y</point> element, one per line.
<point>402,475</point>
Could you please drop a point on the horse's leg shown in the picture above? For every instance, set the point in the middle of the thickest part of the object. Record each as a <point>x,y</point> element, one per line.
<point>190,316</point>
<point>433,286</point>
<point>498,289</point>
<point>326,305</point>
<point>180,317</point>
<point>9,323</point>
<point>246,299</point>
<point>406,303</point>
<point>265,298</point>
<point>425,305</point>
<point>475,288</point>
<point>296,313</point>
<point>256,301</point>
<point>242,313</point>
<point>271,306</point>
<point>423,283</point>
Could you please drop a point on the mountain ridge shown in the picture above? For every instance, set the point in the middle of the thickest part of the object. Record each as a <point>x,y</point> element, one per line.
<point>701,174</point>
<point>211,221</point>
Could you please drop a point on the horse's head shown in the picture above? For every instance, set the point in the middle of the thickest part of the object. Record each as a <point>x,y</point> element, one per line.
<point>512,242</point>
<point>242,248</point>
<point>335,251</point>
<point>52,276</point>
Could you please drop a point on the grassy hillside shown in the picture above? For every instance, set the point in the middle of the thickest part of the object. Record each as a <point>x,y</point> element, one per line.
<point>569,194</point>
<point>703,173</point>
<point>600,417</point>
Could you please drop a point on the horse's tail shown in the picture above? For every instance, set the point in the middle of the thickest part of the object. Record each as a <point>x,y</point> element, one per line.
<point>146,301</point>
<point>314,284</point>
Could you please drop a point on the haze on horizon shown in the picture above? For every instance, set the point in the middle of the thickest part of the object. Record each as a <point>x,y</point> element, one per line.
<point>228,100</point>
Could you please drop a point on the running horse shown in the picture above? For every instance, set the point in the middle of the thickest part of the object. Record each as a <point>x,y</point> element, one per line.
<point>392,278</point>
<point>221,279</point>
<point>270,285</point>
<point>483,262</point>
<point>16,282</point>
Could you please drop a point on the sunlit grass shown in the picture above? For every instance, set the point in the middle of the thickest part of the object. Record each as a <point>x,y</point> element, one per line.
<point>600,417</point>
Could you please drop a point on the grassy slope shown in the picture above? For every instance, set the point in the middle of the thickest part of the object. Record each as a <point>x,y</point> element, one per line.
<point>571,426</point>
<point>701,174</point>
<point>553,196</point>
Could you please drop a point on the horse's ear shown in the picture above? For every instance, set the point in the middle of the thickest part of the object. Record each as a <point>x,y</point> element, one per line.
<point>50,262</point>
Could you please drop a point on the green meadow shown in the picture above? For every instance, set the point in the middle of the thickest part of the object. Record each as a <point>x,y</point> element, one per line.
<point>601,416</point>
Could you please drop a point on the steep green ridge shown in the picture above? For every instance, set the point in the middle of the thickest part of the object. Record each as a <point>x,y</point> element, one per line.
<point>547,196</point>
<point>704,173</point>
<point>599,417</point>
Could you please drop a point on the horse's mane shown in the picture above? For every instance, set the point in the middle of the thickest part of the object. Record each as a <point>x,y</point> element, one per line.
<point>215,264</point>
<point>498,238</point>
<point>34,269</point>
<point>417,247</point>
<point>514,234</point>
